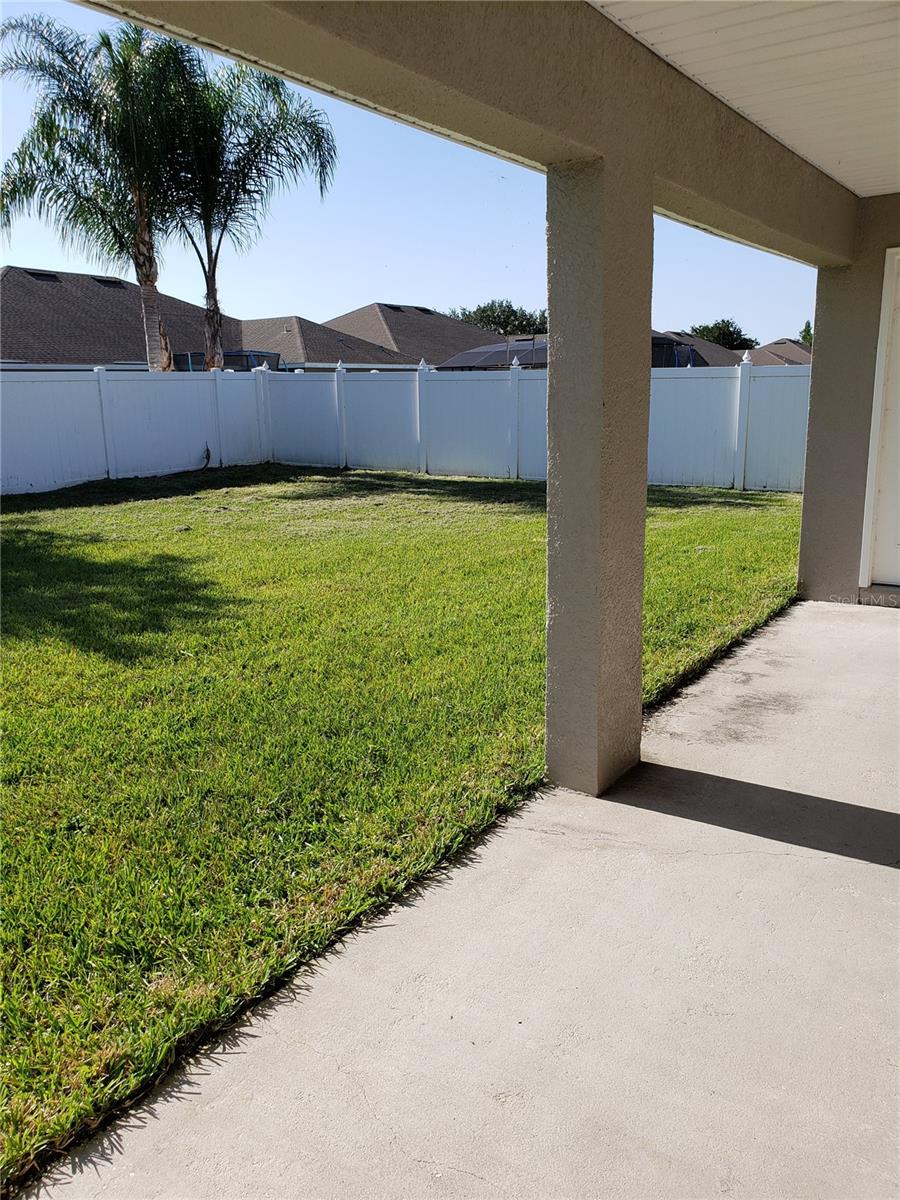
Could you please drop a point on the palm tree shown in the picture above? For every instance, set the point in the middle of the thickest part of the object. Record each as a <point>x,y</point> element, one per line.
<point>242,135</point>
<point>97,161</point>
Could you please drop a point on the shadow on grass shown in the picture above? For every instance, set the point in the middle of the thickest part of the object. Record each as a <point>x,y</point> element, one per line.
<point>51,588</point>
<point>156,487</point>
<point>698,497</point>
<point>342,485</point>
<point>323,483</point>
<point>315,484</point>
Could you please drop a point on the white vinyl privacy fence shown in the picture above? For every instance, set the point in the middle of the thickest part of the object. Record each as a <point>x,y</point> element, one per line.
<point>733,426</point>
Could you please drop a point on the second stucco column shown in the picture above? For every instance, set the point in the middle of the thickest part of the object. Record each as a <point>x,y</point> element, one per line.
<point>600,248</point>
<point>848,312</point>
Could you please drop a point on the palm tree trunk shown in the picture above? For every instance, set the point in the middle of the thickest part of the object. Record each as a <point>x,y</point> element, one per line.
<point>215,357</point>
<point>212,322</point>
<point>153,331</point>
<point>165,347</point>
<point>159,353</point>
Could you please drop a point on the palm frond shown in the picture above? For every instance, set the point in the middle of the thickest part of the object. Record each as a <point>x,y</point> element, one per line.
<point>100,139</point>
<point>248,136</point>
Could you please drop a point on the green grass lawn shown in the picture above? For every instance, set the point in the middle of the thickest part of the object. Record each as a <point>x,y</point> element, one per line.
<point>244,708</point>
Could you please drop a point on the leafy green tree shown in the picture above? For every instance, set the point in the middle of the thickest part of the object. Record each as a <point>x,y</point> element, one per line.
<point>503,317</point>
<point>241,136</point>
<point>806,334</point>
<point>725,332</point>
<point>96,162</point>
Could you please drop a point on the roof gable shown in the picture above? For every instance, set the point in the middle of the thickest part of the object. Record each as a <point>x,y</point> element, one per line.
<point>783,352</point>
<point>297,339</point>
<point>413,330</point>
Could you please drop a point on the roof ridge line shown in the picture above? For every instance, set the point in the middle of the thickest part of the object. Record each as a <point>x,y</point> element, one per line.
<point>391,343</point>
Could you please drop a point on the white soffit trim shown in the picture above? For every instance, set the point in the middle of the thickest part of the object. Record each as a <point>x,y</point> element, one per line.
<point>821,76</point>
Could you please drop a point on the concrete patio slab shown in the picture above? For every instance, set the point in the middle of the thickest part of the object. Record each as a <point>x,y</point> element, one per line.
<point>686,989</point>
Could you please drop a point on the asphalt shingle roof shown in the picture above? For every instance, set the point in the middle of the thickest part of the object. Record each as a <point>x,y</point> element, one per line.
<point>784,352</point>
<point>712,353</point>
<point>413,331</point>
<point>70,317</point>
<point>297,339</point>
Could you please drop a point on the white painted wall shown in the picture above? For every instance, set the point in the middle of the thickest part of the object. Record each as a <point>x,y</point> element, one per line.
<point>723,427</point>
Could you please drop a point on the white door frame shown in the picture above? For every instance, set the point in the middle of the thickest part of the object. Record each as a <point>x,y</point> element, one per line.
<point>882,358</point>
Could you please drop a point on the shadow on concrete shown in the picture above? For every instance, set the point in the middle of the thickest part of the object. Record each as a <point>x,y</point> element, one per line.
<point>830,826</point>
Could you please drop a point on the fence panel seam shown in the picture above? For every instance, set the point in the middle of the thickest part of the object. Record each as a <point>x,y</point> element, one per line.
<point>217,417</point>
<point>341,415</point>
<point>100,376</point>
<point>744,400</point>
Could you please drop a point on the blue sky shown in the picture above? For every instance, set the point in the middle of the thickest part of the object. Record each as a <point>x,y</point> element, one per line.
<point>414,219</point>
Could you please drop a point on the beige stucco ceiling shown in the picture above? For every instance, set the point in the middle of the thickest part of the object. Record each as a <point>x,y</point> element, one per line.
<point>823,78</point>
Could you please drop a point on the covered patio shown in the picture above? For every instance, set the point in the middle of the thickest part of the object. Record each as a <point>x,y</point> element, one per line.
<point>689,986</point>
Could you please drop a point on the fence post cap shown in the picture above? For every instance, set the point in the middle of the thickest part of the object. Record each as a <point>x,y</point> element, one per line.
<point>747,358</point>
<point>515,361</point>
<point>423,365</point>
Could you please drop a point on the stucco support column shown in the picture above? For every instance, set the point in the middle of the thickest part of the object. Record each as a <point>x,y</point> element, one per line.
<point>848,310</point>
<point>600,247</point>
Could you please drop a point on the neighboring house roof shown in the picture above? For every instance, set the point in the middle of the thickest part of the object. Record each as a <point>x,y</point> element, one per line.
<point>531,352</point>
<point>412,330</point>
<point>298,340</point>
<point>712,353</point>
<point>70,317</point>
<point>784,352</point>
<point>667,350</point>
